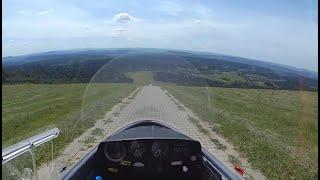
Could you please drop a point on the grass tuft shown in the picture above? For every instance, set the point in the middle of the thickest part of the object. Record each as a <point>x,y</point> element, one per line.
<point>97,132</point>
<point>89,140</point>
<point>219,145</point>
<point>199,126</point>
<point>233,159</point>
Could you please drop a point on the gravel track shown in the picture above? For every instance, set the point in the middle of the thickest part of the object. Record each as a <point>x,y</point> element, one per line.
<point>147,103</point>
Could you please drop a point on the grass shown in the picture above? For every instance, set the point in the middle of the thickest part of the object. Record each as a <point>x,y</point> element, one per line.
<point>30,108</point>
<point>233,159</point>
<point>180,107</point>
<point>276,130</point>
<point>116,114</point>
<point>106,121</point>
<point>12,170</point>
<point>219,145</point>
<point>89,140</point>
<point>199,126</point>
<point>133,95</point>
<point>141,77</point>
<point>97,132</point>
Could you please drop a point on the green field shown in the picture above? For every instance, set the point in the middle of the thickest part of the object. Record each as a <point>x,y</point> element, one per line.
<point>27,109</point>
<point>276,130</point>
<point>141,77</point>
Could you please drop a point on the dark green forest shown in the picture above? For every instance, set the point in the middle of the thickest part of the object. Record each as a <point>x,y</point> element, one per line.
<point>183,69</point>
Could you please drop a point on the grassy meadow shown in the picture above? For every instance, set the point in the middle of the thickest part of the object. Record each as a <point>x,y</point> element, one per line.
<point>276,130</point>
<point>141,78</point>
<point>27,109</point>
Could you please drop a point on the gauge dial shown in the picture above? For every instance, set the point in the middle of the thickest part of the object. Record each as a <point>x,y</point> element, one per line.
<point>115,151</point>
<point>137,148</point>
<point>159,149</point>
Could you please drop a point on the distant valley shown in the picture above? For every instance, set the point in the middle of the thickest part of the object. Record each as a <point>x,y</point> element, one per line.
<point>180,67</point>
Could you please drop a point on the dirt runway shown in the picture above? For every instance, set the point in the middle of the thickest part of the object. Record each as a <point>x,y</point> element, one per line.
<point>147,103</point>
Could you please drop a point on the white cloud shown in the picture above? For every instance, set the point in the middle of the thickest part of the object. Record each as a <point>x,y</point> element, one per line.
<point>120,29</point>
<point>46,12</point>
<point>125,18</point>
<point>21,12</point>
<point>197,21</point>
<point>43,12</point>
<point>118,32</point>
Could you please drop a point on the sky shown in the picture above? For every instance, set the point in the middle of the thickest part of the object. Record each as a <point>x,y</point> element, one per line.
<point>280,31</point>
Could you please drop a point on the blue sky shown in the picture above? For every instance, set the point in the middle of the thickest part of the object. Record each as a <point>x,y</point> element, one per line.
<point>281,31</point>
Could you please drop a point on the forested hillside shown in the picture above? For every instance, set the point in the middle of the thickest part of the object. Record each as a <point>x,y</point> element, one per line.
<point>184,68</point>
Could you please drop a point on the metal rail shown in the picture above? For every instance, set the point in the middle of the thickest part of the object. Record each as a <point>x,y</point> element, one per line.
<point>18,149</point>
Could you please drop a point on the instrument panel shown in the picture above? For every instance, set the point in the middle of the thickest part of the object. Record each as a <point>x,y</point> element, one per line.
<point>150,156</point>
<point>146,150</point>
<point>117,151</point>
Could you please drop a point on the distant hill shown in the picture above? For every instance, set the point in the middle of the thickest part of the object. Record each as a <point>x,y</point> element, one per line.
<point>280,68</point>
<point>181,67</point>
